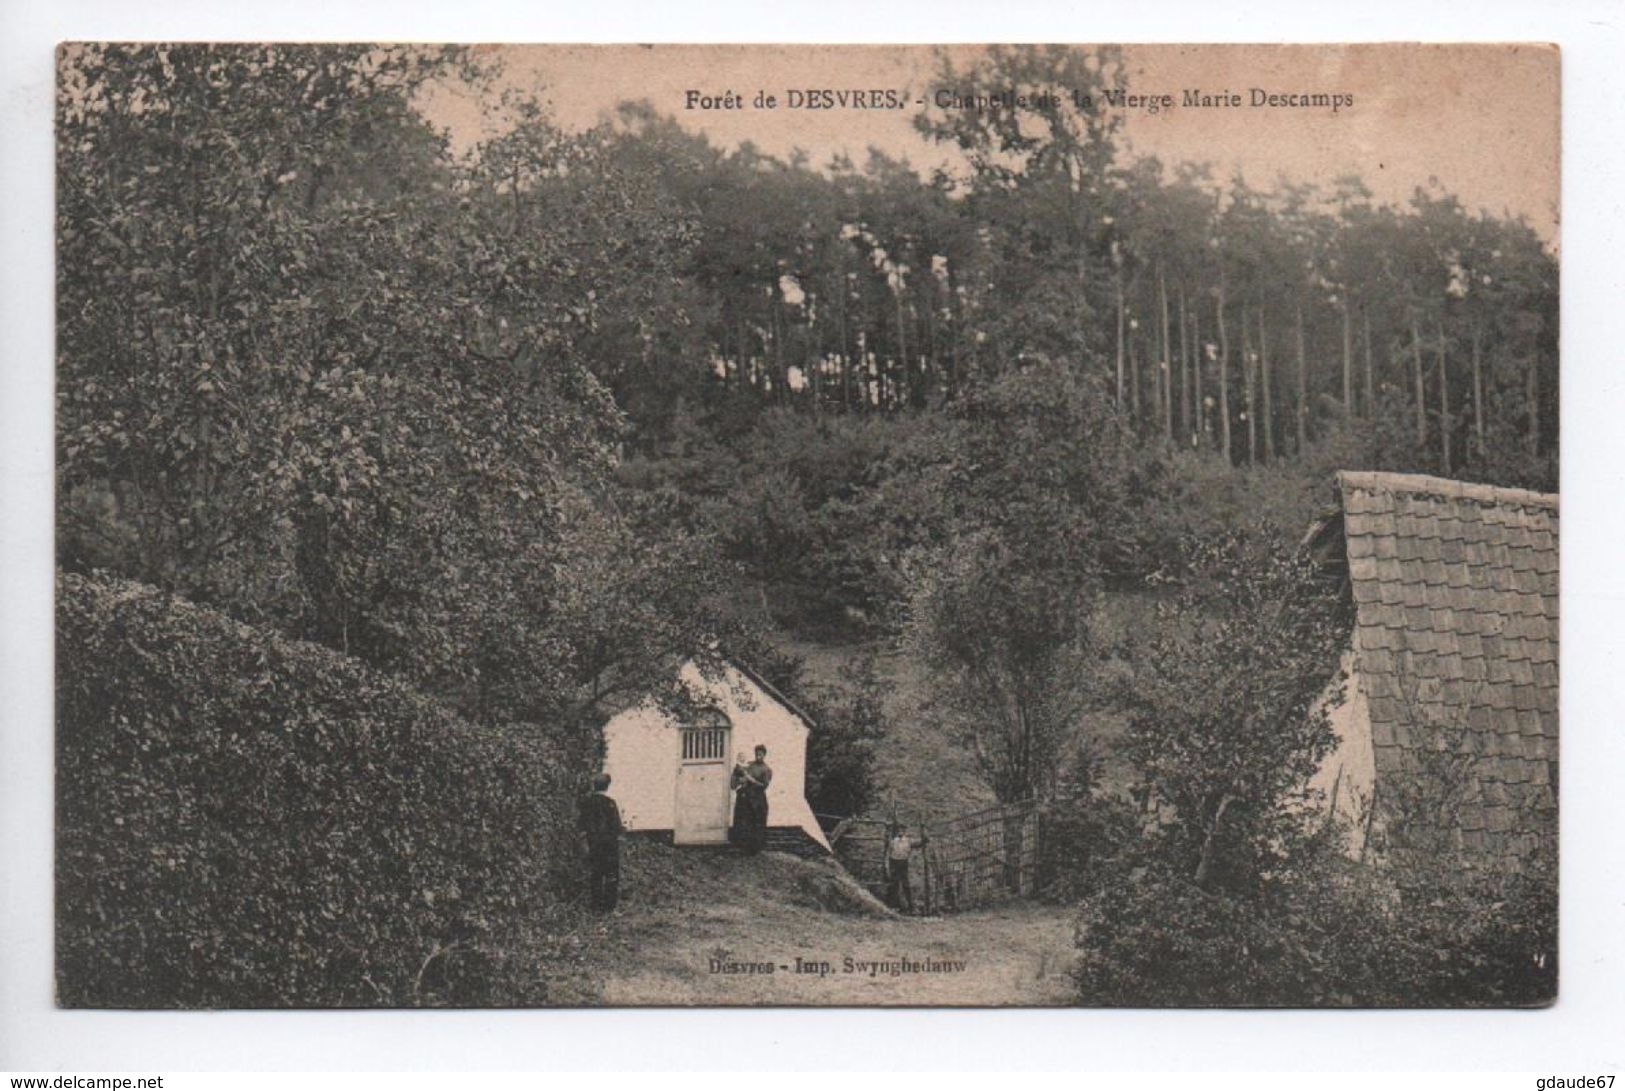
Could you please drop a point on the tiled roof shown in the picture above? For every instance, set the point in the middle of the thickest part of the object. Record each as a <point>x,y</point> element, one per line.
<point>1455,590</point>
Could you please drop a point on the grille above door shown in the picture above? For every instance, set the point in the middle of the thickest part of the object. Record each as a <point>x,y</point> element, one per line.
<point>705,737</point>
<point>705,744</point>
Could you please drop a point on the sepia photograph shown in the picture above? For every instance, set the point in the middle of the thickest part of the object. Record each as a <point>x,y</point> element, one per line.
<point>964,526</point>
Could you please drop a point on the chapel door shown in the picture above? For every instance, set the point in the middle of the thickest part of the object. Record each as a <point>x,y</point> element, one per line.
<point>703,796</point>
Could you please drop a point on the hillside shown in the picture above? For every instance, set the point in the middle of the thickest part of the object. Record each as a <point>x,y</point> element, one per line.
<point>687,913</point>
<point>920,765</point>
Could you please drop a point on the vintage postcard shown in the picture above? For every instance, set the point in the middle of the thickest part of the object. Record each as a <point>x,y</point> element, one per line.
<point>1008,525</point>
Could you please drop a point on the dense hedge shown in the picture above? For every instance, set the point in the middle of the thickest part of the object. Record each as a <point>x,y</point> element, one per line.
<point>1334,934</point>
<point>249,821</point>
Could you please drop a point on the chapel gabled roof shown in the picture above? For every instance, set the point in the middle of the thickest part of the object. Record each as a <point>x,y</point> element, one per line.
<point>774,692</point>
<point>1455,588</point>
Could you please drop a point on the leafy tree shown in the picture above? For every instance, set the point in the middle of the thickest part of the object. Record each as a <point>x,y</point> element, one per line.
<point>1005,652</point>
<point>1044,481</point>
<point>188,177</point>
<point>841,749</point>
<point>1226,723</point>
<point>1039,183</point>
<point>370,412</point>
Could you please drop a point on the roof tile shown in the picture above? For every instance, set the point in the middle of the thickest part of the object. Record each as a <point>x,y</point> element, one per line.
<point>1463,578</point>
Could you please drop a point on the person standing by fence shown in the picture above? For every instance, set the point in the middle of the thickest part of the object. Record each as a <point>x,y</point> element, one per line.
<point>899,892</point>
<point>600,821</point>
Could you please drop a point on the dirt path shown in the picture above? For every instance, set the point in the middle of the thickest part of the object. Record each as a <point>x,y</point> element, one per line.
<point>729,931</point>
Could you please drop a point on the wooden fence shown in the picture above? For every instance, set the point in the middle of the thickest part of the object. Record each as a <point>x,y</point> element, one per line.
<point>976,859</point>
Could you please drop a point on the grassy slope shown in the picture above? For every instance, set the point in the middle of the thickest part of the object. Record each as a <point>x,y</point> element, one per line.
<point>930,776</point>
<point>684,907</point>
<point>919,765</point>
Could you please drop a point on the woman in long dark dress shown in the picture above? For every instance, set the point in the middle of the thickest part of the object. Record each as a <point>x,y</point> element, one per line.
<point>750,783</point>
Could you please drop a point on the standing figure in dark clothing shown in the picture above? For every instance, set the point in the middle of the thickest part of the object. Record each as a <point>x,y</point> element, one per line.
<point>899,847</point>
<point>601,837</point>
<point>750,802</point>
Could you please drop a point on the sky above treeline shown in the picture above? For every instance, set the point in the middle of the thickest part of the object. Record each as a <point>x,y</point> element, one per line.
<point>1480,121</point>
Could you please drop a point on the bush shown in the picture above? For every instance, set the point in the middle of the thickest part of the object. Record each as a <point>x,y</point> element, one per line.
<point>1230,898</point>
<point>1330,933</point>
<point>249,821</point>
<point>841,749</point>
<point>850,721</point>
<point>1087,832</point>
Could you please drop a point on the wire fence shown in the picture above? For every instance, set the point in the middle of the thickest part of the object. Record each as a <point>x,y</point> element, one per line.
<point>976,859</point>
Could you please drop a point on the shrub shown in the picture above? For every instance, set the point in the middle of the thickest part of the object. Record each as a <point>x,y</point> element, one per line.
<point>1086,833</point>
<point>1229,899</point>
<point>850,721</point>
<point>249,821</point>
<point>841,749</point>
<point>1326,933</point>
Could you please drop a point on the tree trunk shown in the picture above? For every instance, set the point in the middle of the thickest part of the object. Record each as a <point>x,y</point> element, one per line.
<point>1013,823</point>
<point>1531,397</point>
<point>1303,387</point>
<point>1184,367</point>
<point>1264,374</point>
<point>928,359</point>
<point>781,370</point>
<point>845,350</point>
<point>1478,395</point>
<point>1156,386</point>
<point>885,376</point>
<point>1348,363</point>
<point>1370,377</point>
<point>1421,388</point>
<point>902,349</point>
<point>955,334</point>
<point>813,363</point>
<point>1224,378</point>
<point>1204,868</point>
<point>1198,362</point>
<point>1134,380</point>
<point>1249,364</point>
<point>1120,334</point>
<point>1444,404</point>
<point>1165,371</point>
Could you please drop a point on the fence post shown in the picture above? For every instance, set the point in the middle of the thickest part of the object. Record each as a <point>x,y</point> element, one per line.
<point>1013,828</point>
<point>1029,852</point>
<point>925,864</point>
<point>1038,848</point>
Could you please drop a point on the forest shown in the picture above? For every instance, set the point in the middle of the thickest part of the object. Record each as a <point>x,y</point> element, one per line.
<point>513,428</point>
